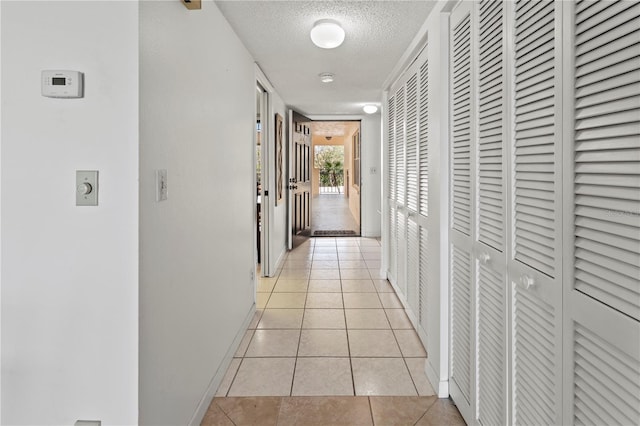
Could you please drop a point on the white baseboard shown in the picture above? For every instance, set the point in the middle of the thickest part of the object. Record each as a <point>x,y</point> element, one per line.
<point>441,385</point>
<point>210,393</point>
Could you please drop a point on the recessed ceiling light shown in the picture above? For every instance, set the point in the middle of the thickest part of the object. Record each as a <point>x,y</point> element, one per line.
<point>370,109</point>
<point>327,34</point>
<point>326,77</point>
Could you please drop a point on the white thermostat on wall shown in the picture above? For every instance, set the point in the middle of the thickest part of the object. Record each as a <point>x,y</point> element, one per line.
<point>62,84</point>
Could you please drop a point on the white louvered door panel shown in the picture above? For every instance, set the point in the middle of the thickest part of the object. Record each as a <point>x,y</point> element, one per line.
<point>391,186</point>
<point>536,186</point>
<point>413,263</point>
<point>489,181</point>
<point>602,369</point>
<point>462,206</point>
<point>423,187</point>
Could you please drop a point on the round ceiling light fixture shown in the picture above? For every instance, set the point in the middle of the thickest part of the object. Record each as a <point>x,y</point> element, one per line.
<point>370,109</point>
<point>326,77</point>
<point>327,34</point>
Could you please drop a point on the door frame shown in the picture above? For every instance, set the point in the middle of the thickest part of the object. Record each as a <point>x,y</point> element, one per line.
<point>267,122</point>
<point>364,164</point>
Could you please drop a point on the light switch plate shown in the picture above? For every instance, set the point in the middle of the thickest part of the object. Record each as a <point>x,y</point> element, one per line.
<point>162,191</point>
<point>86,187</point>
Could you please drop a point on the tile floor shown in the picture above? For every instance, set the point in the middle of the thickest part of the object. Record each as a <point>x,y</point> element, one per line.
<point>331,411</point>
<point>331,212</point>
<point>328,325</point>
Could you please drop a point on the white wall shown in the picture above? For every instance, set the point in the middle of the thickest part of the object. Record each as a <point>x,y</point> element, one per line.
<point>197,106</point>
<point>278,225</point>
<point>69,274</point>
<point>371,188</point>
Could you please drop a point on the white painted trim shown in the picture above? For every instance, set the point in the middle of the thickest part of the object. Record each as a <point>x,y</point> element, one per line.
<point>441,383</point>
<point>268,207</point>
<point>210,393</point>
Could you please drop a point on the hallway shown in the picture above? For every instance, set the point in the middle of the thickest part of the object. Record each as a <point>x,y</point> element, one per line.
<point>330,212</point>
<point>327,325</point>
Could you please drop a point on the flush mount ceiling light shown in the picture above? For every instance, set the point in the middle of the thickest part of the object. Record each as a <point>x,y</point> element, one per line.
<point>370,109</point>
<point>327,34</point>
<point>326,77</point>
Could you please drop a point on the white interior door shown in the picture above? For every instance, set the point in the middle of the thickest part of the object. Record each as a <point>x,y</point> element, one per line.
<point>602,368</point>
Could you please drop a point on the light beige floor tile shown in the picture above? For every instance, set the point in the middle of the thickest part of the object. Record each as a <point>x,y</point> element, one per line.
<point>281,319</point>
<point>410,344</point>
<point>273,343</point>
<point>373,343</point>
<point>265,286</point>
<point>286,300</point>
<point>382,376</point>
<point>371,255</point>
<point>263,377</point>
<point>262,299</point>
<point>377,274</point>
<point>324,301</point>
<point>228,377</point>
<point>399,410</point>
<point>398,319</point>
<point>349,256</point>
<point>325,256</point>
<point>256,318</point>
<point>420,380</point>
<point>355,274</point>
<point>324,318</point>
<point>361,300</point>
<point>297,264</point>
<point>317,343</point>
<point>370,249</point>
<point>347,242</point>
<point>353,264</point>
<point>261,411</point>
<point>291,286</point>
<point>325,249</point>
<point>358,286</point>
<point>244,343</point>
<point>390,301</point>
<point>364,241</point>
<point>294,274</point>
<point>325,274</point>
<point>383,286</point>
<point>373,264</point>
<point>348,249</point>
<point>366,319</point>
<point>325,241</point>
<point>442,412</point>
<point>215,417</point>
<point>325,264</point>
<point>325,411</point>
<point>325,286</point>
<point>322,376</point>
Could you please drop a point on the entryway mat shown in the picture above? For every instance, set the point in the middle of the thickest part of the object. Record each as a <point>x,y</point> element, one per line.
<point>334,233</point>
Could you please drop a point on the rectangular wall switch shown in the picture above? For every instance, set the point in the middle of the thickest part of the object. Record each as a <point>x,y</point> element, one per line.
<point>162,191</point>
<point>86,187</point>
<point>88,423</point>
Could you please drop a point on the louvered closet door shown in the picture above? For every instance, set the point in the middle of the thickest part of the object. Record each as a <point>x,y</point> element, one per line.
<point>417,190</point>
<point>401,189</point>
<point>462,228</point>
<point>535,263</point>
<point>489,181</point>
<point>391,187</point>
<point>603,367</point>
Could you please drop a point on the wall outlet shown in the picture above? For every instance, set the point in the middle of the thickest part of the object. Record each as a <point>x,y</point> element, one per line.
<point>373,170</point>
<point>162,191</point>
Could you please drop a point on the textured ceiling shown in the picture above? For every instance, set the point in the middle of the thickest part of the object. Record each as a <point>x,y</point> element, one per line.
<point>277,35</point>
